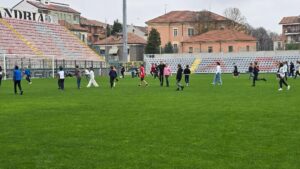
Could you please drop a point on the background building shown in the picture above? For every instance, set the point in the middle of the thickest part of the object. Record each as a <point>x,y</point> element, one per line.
<point>290,30</point>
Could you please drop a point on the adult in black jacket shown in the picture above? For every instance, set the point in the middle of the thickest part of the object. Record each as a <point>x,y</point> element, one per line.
<point>161,68</point>
<point>179,77</point>
<point>187,73</point>
<point>256,73</point>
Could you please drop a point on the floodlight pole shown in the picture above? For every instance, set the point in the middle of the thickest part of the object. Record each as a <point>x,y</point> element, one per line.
<point>125,38</point>
<point>4,66</point>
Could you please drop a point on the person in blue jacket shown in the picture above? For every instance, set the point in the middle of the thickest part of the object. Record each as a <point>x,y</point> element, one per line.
<point>113,76</point>
<point>28,75</point>
<point>17,77</point>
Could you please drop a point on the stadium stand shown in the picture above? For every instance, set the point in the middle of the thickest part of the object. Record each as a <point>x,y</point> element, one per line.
<point>42,39</point>
<point>206,63</point>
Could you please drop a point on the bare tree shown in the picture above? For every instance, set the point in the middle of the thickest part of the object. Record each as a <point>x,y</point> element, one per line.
<point>204,22</point>
<point>236,20</point>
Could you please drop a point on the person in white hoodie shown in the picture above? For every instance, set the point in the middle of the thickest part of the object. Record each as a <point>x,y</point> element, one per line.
<point>282,76</point>
<point>92,79</point>
<point>285,69</point>
<point>218,78</point>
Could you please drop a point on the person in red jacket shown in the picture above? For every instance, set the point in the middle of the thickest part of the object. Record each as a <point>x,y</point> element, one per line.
<point>143,75</point>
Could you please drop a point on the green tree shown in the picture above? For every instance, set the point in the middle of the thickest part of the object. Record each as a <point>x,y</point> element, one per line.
<point>168,48</point>
<point>108,30</point>
<point>116,28</point>
<point>292,46</point>
<point>154,42</point>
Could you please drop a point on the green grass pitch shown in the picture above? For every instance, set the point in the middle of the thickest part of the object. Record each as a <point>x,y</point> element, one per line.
<point>234,126</point>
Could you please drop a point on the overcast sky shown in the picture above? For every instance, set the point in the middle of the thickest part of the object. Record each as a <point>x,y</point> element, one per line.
<point>266,13</point>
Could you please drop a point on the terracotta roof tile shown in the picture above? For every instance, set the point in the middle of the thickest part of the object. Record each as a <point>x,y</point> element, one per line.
<point>85,21</point>
<point>185,16</point>
<point>53,7</point>
<point>114,40</point>
<point>290,20</point>
<point>221,35</point>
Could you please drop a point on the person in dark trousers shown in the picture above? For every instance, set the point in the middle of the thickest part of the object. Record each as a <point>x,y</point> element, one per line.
<point>113,76</point>
<point>281,75</point>
<point>161,68</point>
<point>61,78</point>
<point>256,73</point>
<point>292,69</point>
<point>297,70</point>
<point>235,72</point>
<point>153,69</point>
<point>187,73</point>
<point>156,71</point>
<point>1,75</point>
<point>250,71</point>
<point>78,76</point>
<point>17,77</point>
<point>28,75</point>
<point>179,77</point>
<point>123,72</point>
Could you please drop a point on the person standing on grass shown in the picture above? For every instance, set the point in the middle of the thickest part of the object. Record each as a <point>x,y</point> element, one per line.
<point>1,75</point>
<point>143,75</point>
<point>218,77</point>
<point>256,73</point>
<point>61,78</point>
<point>167,73</point>
<point>87,74</point>
<point>27,73</point>
<point>236,72</point>
<point>161,68</point>
<point>78,76</point>
<point>285,69</point>
<point>123,72</point>
<point>281,75</point>
<point>250,71</point>
<point>153,69</point>
<point>179,77</point>
<point>113,76</point>
<point>187,73</point>
<point>292,69</point>
<point>17,77</point>
<point>92,79</point>
<point>297,70</point>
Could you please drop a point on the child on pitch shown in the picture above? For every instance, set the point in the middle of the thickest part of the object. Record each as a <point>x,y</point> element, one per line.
<point>167,74</point>
<point>113,76</point>
<point>122,72</point>
<point>187,73</point>
<point>28,75</point>
<point>282,76</point>
<point>179,77</point>
<point>92,79</point>
<point>1,75</point>
<point>235,72</point>
<point>297,70</point>
<point>61,78</point>
<point>143,75</point>
<point>256,73</point>
<point>250,71</point>
<point>285,69</point>
<point>78,76</point>
<point>218,78</point>
<point>17,77</point>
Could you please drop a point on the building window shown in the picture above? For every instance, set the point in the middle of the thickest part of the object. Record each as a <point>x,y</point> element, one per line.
<point>175,32</point>
<point>210,49</point>
<point>191,32</point>
<point>175,47</point>
<point>230,48</point>
<point>248,48</point>
<point>191,49</point>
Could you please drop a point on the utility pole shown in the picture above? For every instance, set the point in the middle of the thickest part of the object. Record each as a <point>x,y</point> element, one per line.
<point>125,38</point>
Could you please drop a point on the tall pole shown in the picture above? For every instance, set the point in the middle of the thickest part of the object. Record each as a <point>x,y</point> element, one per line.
<point>125,38</point>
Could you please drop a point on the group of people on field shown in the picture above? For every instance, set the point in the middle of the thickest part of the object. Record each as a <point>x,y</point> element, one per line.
<point>163,71</point>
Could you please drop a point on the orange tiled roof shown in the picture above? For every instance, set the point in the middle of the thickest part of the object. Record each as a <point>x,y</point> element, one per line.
<point>114,40</point>
<point>221,35</point>
<point>85,21</point>
<point>290,20</point>
<point>53,7</point>
<point>185,16</point>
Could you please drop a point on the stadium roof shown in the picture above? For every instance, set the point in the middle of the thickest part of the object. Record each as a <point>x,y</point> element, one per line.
<point>53,7</point>
<point>114,40</point>
<point>185,16</point>
<point>290,20</point>
<point>221,35</point>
